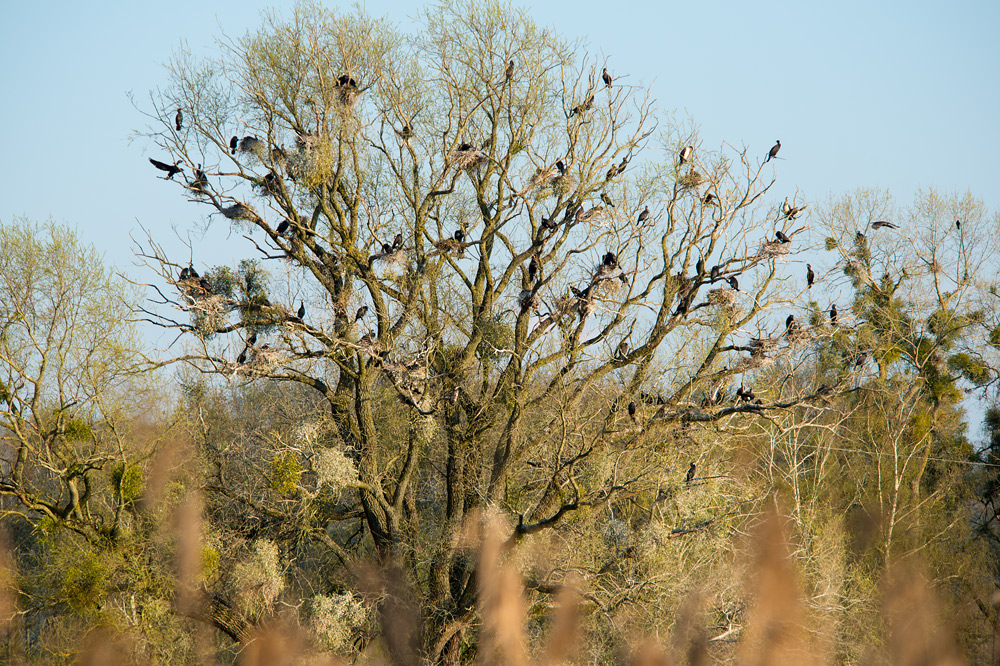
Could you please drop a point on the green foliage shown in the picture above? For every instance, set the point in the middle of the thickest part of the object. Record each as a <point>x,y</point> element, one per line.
<point>78,430</point>
<point>974,371</point>
<point>128,481</point>
<point>84,583</point>
<point>285,473</point>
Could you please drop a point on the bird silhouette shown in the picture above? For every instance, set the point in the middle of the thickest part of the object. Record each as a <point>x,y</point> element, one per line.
<point>282,227</point>
<point>833,314</point>
<point>561,167</point>
<point>234,144</point>
<point>459,235</point>
<point>689,477</point>
<point>200,180</point>
<point>786,208</point>
<point>782,237</point>
<point>958,224</point>
<point>734,283</point>
<point>302,310</point>
<point>362,311</point>
<point>242,358</point>
<point>715,272</point>
<point>810,276</point>
<point>171,169</point>
<point>622,350</point>
<point>397,242</point>
<point>606,199</point>
<point>510,70</point>
<point>644,215</point>
<point>532,269</point>
<point>790,324</point>
<point>631,410</point>
<point>709,199</point>
<point>882,223</point>
<point>252,340</point>
<point>609,259</point>
<point>606,77</point>
<point>179,120</point>
<point>686,153</point>
<point>773,152</point>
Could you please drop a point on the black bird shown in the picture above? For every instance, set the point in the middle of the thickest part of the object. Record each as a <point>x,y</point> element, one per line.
<point>577,293</point>
<point>833,314</point>
<point>184,273</point>
<point>709,199</point>
<point>192,272</point>
<point>622,350</point>
<point>882,223</point>
<point>386,248</point>
<point>612,172</point>
<point>958,224</point>
<point>561,167</point>
<point>204,284</point>
<point>242,358</point>
<point>179,120</point>
<point>700,266</point>
<point>644,215</point>
<point>606,199</point>
<point>548,223</point>
<point>397,242</point>
<point>252,340</point>
<point>609,259</point>
<point>362,311</point>
<point>234,144</point>
<point>282,227</point>
<point>459,235</point>
<point>689,477</point>
<point>200,180</point>
<point>782,237</point>
<point>302,310</point>
<point>631,410</point>
<point>810,276</point>
<point>171,169</point>
<point>733,283</point>
<point>510,70</point>
<point>686,153</point>
<point>465,147</point>
<point>859,237</point>
<point>532,269</point>
<point>606,77</point>
<point>789,323</point>
<point>623,164</point>
<point>407,132</point>
<point>715,273</point>
<point>773,152</point>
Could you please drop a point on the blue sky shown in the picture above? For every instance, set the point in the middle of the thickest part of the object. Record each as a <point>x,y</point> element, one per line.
<point>900,95</point>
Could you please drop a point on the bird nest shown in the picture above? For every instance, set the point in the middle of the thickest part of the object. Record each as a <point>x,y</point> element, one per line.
<point>752,363</point>
<point>773,249</point>
<point>528,299</point>
<point>691,179</point>
<point>348,96</point>
<point>370,345</point>
<point>210,304</point>
<point>542,178</point>
<point>450,246</point>
<point>251,144</point>
<point>240,211</point>
<point>467,159</point>
<point>722,296</point>
<point>260,360</point>
<point>762,346</point>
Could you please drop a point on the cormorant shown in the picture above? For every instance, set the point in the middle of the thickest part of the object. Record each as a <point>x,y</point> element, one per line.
<point>631,410</point>
<point>561,167</point>
<point>510,70</point>
<point>786,208</point>
<point>407,132</point>
<point>242,358</point>
<point>795,212</point>
<point>790,323</point>
<point>699,267</point>
<point>171,169</point>
<point>623,164</point>
<point>715,273</point>
<point>179,120</point>
<point>606,199</point>
<point>622,350</point>
<point>606,77</point>
<point>459,235</point>
<point>192,272</point>
<point>773,152</point>
<point>184,273</point>
<point>882,223</point>
<point>302,310</point>
<point>532,269</point>
<point>958,224</point>
<point>612,172</point>
<point>548,223</point>
<point>644,215</point>
<point>609,259</point>
<point>686,153</point>
<point>252,340</point>
<point>689,477</point>
<point>733,283</point>
<point>200,180</point>
<point>362,311</point>
<point>782,237</point>
<point>397,242</point>
<point>709,199</point>
<point>833,314</point>
<point>810,276</point>
<point>234,144</point>
<point>386,248</point>
<point>282,227</point>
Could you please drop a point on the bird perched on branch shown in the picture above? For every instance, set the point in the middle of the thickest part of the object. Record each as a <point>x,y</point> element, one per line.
<point>362,311</point>
<point>689,477</point>
<point>234,144</point>
<point>510,70</point>
<point>606,199</point>
<point>833,314</point>
<point>302,310</point>
<point>606,77</point>
<point>733,283</point>
<point>631,410</point>
<point>622,350</point>
<point>171,169</point>
<point>609,259</point>
<point>810,276</point>
<point>397,242</point>
<point>686,153</point>
<point>459,235</point>
<point>773,152</point>
<point>782,237</point>
<point>179,120</point>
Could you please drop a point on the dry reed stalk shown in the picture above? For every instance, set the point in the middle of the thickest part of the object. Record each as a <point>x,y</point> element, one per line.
<point>918,636</point>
